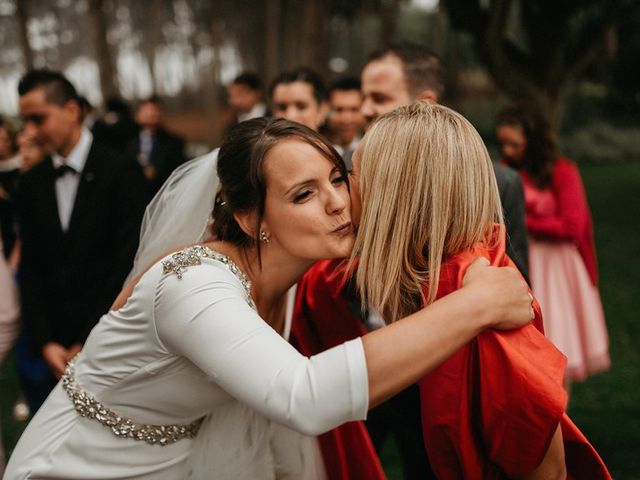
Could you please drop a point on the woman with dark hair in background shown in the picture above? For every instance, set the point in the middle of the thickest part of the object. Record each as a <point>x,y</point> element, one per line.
<point>562,257</point>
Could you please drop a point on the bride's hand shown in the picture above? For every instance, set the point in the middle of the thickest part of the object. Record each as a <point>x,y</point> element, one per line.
<point>501,293</point>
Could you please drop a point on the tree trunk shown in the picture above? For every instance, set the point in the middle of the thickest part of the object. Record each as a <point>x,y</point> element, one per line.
<point>212,101</point>
<point>389,19</point>
<point>104,57</point>
<point>314,53</point>
<point>22,14</point>
<point>151,25</point>
<point>272,61</point>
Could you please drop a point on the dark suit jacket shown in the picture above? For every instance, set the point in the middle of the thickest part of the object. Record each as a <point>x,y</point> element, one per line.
<point>69,279</point>
<point>166,155</point>
<point>8,186</point>
<point>512,198</point>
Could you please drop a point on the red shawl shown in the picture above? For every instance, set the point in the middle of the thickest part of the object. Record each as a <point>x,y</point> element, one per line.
<point>322,319</point>
<point>491,410</point>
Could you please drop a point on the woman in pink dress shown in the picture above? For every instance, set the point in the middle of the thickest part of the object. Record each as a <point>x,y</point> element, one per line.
<point>563,266</point>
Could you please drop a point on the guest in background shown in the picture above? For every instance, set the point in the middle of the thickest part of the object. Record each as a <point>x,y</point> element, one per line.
<point>8,322</point>
<point>300,96</point>
<point>158,151</point>
<point>10,164</point>
<point>86,201</point>
<point>121,129</point>
<point>92,121</point>
<point>245,98</point>
<point>345,121</point>
<point>30,151</point>
<point>563,272</point>
<point>33,373</point>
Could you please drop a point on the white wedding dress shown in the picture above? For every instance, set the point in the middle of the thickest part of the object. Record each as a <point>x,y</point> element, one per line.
<point>189,345</point>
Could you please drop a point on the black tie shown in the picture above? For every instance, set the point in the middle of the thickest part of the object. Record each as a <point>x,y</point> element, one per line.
<point>63,170</point>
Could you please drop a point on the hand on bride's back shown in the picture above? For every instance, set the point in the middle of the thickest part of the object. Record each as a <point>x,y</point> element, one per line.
<point>501,293</point>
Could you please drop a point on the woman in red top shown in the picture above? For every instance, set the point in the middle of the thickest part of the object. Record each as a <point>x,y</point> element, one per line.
<point>430,205</point>
<point>563,267</point>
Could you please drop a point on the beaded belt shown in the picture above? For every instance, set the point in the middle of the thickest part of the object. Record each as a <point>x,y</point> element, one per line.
<point>87,406</point>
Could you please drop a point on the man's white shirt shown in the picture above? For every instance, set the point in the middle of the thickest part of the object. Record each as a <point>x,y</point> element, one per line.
<point>67,184</point>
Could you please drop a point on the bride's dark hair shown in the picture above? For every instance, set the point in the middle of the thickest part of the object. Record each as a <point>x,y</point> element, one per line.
<point>240,170</point>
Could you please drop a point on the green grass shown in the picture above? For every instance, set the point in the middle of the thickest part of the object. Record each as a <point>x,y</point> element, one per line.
<point>607,406</point>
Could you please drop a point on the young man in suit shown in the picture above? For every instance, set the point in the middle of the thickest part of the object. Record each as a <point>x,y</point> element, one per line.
<point>345,121</point>
<point>244,96</point>
<point>79,211</point>
<point>158,151</point>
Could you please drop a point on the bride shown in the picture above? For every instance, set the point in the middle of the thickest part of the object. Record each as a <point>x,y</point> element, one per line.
<point>189,376</point>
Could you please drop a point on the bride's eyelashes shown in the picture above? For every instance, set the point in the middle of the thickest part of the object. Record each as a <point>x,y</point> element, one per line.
<point>302,196</point>
<point>338,180</point>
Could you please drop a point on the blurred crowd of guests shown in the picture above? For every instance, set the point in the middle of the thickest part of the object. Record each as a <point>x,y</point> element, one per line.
<point>74,183</point>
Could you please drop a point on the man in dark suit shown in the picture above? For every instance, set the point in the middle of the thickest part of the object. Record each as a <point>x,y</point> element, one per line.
<point>345,121</point>
<point>157,150</point>
<point>244,96</point>
<point>80,211</point>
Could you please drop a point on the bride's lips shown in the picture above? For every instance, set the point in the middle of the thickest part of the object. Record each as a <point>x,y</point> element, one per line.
<point>344,229</point>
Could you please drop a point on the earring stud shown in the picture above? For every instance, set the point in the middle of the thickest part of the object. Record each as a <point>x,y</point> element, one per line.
<point>264,238</point>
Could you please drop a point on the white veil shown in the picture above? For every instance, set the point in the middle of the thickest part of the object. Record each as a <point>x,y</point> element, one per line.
<point>179,213</point>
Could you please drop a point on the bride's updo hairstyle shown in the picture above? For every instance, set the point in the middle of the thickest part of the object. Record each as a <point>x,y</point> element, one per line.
<point>240,170</point>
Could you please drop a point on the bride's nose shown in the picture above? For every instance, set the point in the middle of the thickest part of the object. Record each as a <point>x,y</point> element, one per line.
<point>336,202</point>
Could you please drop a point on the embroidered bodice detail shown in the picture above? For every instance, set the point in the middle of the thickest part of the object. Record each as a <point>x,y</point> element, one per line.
<point>191,256</point>
<point>88,406</point>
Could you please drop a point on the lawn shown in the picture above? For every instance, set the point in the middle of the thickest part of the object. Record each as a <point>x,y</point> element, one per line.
<point>606,406</point>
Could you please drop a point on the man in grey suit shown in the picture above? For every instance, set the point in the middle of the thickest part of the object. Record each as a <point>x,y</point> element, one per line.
<point>394,77</point>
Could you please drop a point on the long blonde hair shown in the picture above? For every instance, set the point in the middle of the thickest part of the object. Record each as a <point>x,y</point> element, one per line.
<point>428,191</point>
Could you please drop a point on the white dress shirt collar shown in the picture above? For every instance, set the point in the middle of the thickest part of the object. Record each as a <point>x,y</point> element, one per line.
<point>351,147</point>
<point>258,110</point>
<point>66,186</point>
<point>78,155</point>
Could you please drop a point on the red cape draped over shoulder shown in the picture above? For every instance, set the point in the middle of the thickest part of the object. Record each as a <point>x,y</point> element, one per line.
<point>490,411</point>
<point>322,319</point>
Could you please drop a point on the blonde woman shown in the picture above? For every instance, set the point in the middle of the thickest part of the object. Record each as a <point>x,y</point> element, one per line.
<point>426,200</point>
<point>431,205</point>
